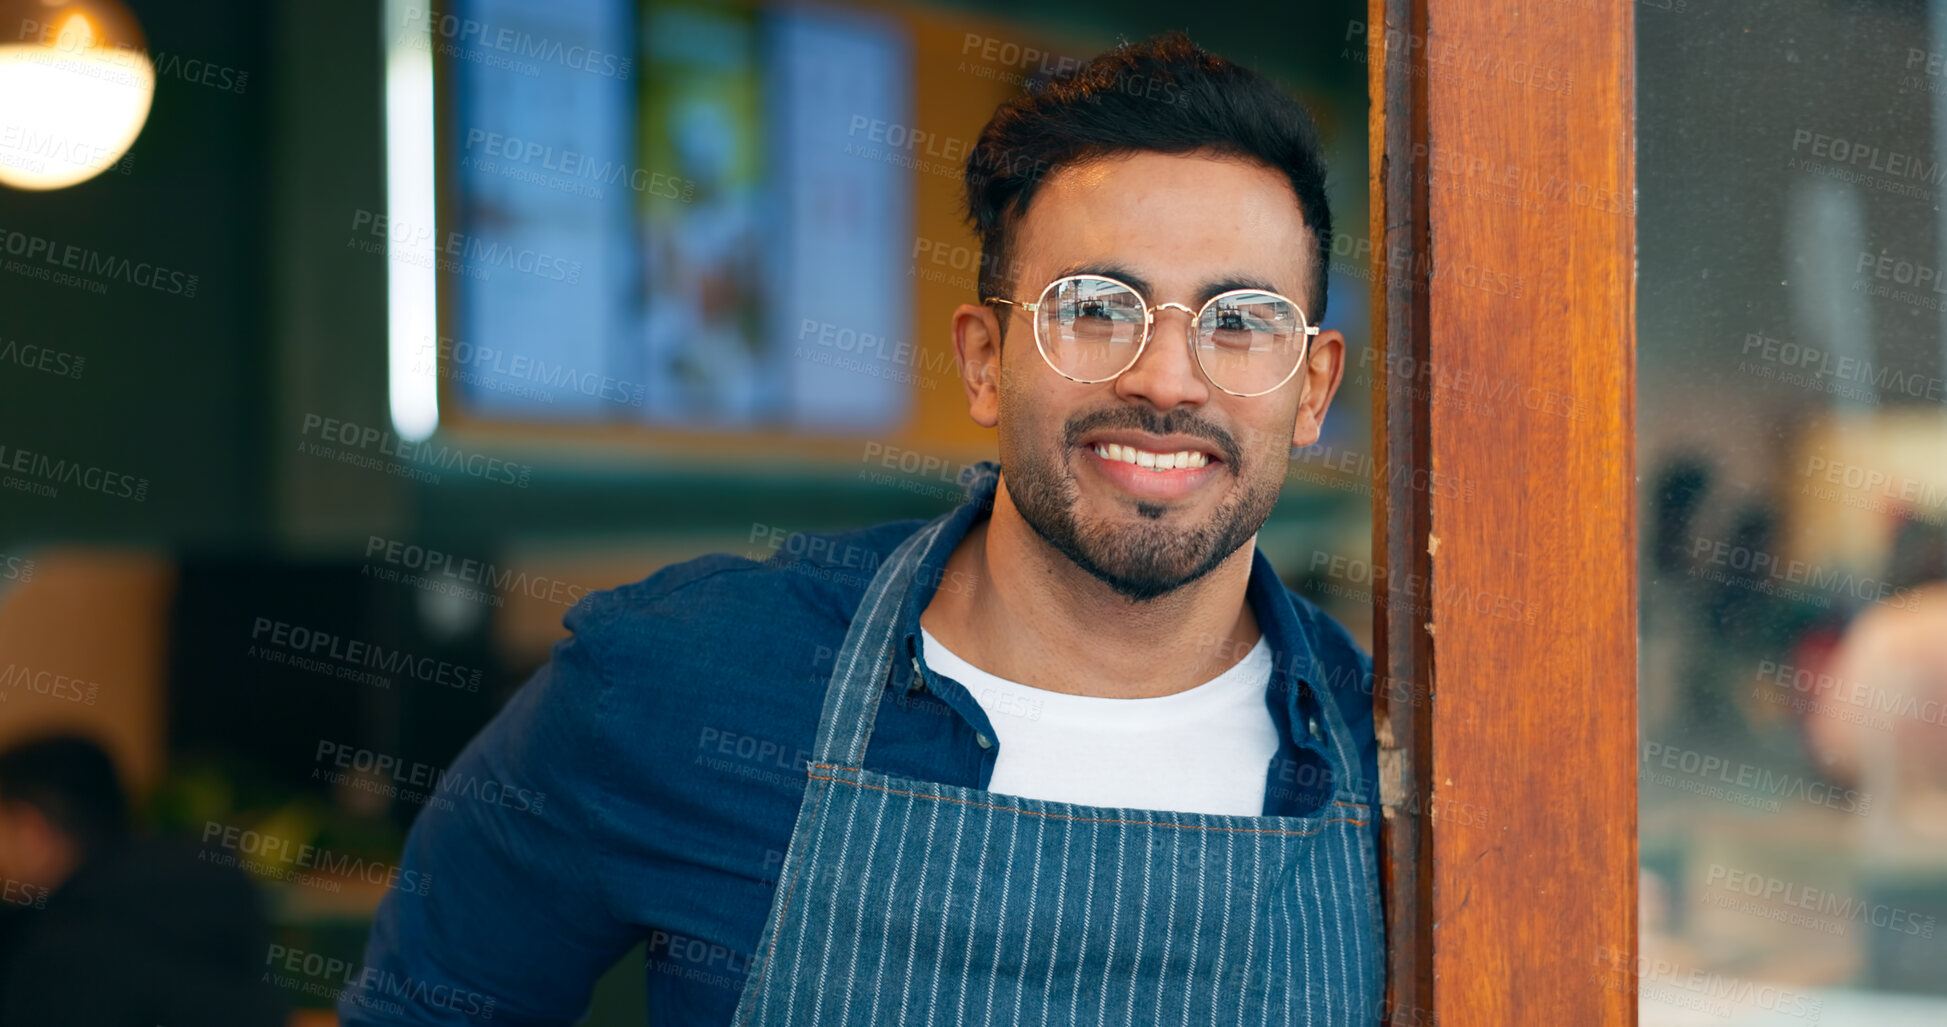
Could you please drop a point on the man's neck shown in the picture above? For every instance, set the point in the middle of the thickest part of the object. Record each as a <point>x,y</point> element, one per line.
<point>1037,618</point>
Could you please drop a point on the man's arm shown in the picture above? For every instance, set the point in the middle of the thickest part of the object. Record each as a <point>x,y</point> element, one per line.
<point>513,925</point>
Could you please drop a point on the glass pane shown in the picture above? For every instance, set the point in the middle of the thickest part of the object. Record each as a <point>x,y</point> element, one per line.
<point>1792,449</point>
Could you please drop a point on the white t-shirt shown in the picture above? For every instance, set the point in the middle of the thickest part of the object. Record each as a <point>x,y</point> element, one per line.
<point>1203,750</point>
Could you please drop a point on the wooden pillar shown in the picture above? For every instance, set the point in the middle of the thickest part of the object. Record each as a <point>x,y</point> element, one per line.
<point>1503,202</point>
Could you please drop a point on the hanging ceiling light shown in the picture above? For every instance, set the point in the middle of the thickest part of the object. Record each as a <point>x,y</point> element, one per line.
<point>75,86</point>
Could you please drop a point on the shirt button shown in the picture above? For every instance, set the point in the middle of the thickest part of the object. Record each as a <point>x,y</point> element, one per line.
<point>985,742</point>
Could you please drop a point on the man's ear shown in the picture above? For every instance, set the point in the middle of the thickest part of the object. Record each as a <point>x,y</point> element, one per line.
<point>1320,379</point>
<point>977,347</point>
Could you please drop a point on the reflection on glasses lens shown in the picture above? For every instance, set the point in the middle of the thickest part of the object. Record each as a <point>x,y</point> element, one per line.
<point>1089,327</point>
<point>1250,341</point>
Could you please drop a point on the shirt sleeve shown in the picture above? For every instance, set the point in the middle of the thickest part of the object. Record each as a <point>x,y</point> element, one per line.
<point>502,916</point>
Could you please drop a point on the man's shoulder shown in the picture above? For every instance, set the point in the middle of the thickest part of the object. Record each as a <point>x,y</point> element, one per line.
<point>718,664</point>
<point>785,584</point>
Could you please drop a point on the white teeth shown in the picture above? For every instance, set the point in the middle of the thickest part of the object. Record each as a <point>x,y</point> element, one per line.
<point>1153,461</point>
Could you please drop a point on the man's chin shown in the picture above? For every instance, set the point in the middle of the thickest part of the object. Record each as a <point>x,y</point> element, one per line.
<point>1143,589</point>
<point>1138,562</point>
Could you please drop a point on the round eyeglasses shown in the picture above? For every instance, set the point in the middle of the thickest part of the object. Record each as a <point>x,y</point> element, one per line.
<point>1092,328</point>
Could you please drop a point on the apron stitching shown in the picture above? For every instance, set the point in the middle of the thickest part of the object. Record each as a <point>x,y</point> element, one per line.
<point>1347,805</point>
<point>1088,820</point>
<point>770,954</point>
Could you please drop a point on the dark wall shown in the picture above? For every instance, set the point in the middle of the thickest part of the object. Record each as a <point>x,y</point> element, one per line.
<point>171,381</point>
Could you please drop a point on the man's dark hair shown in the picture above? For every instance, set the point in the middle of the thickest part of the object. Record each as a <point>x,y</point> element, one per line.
<point>1163,95</point>
<point>73,783</point>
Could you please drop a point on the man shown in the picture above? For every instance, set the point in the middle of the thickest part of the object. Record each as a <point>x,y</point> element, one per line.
<point>1071,753</point>
<point>101,928</point>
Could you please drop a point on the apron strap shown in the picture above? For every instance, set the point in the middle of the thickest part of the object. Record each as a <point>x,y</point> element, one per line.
<point>859,674</point>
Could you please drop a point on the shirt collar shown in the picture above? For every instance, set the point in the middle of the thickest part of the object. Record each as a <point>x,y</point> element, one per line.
<point>1295,668</point>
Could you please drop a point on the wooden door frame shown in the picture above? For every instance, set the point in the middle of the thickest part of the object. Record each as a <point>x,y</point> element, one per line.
<point>1503,228</point>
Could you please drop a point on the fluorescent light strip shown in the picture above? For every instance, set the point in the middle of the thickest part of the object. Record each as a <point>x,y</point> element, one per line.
<point>411,293</point>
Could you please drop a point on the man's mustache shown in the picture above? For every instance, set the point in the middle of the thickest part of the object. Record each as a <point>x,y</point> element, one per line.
<point>1176,422</point>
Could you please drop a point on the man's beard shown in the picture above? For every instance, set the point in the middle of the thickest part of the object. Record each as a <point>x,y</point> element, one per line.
<point>1147,560</point>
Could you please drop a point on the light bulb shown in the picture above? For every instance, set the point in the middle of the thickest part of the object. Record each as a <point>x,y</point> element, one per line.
<point>75,86</point>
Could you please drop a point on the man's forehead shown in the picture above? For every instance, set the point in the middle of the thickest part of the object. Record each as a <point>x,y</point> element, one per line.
<point>1181,219</point>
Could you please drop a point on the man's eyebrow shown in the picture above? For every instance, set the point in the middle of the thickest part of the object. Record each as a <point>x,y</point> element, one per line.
<point>1119,272</point>
<point>1232,284</point>
<point>1212,287</point>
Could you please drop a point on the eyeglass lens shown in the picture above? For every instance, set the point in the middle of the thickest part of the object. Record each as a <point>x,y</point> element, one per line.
<point>1091,329</point>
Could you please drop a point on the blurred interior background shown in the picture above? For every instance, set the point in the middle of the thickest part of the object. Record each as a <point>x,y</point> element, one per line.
<point>1792,453</point>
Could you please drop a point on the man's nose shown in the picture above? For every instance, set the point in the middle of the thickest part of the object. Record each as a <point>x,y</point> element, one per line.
<point>1166,375</point>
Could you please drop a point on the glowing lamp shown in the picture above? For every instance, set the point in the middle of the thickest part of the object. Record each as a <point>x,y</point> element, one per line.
<point>75,87</point>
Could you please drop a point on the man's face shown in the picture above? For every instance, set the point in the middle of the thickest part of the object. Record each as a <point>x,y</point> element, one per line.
<point>1180,229</point>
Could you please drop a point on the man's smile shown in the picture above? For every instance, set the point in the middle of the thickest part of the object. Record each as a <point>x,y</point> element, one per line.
<point>1154,467</point>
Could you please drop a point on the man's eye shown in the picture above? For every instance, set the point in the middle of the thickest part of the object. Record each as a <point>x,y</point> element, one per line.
<point>1095,310</point>
<point>1239,342</point>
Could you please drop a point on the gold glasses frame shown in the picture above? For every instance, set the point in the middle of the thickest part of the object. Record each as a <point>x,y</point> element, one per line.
<point>1149,329</point>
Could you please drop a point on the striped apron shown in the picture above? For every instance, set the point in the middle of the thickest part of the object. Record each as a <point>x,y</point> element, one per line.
<point>914,902</point>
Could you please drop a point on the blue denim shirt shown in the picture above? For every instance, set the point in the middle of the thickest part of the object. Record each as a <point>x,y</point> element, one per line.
<point>660,761</point>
